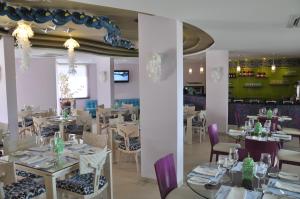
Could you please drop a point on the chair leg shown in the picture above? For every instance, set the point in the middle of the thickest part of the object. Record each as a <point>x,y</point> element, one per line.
<point>137,163</point>
<point>280,164</point>
<point>217,157</point>
<point>211,156</point>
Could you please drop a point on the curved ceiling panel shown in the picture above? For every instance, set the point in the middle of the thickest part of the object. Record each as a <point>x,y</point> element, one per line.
<point>91,40</point>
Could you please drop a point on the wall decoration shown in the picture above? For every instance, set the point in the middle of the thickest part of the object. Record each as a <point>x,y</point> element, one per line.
<point>217,73</point>
<point>22,34</point>
<point>154,67</point>
<point>61,17</point>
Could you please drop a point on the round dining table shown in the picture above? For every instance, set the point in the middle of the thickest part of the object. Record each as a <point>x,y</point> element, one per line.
<point>211,190</point>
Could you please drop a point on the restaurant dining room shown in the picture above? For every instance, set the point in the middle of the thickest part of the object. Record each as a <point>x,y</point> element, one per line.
<point>139,99</point>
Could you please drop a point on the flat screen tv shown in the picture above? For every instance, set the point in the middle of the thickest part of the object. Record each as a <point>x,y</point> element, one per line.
<point>121,76</point>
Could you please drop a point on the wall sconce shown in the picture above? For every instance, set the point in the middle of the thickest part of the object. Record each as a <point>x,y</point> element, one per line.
<point>190,70</point>
<point>103,76</point>
<point>238,68</point>
<point>201,69</point>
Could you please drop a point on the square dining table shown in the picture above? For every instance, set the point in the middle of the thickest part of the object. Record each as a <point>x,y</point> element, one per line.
<point>48,167</point>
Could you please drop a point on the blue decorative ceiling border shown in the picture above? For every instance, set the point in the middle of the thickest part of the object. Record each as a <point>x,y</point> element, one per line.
<point>61,17</point>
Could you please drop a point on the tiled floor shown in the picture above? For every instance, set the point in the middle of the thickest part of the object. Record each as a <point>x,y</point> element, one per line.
<point>127,185</point>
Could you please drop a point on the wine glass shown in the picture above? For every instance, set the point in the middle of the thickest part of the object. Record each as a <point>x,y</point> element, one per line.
<point>251,123</point>
<point>267,126</point>
<point>72,139</point>
<point>51,144</point>
<point>266,159</point>
<point>259,174</point>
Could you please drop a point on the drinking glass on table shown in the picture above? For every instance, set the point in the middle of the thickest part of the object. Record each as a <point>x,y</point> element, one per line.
<point>259,174</point>
<point>266,159</point>
<point>267,126</point>
<point>72,139</point>
<point>251,123</point>
<point>51,144</point>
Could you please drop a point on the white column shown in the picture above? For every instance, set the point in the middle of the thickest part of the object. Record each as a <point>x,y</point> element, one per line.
<point>8,93</point>
<point>161,102</point>
<point>217,88</point>
<point>105,81</point>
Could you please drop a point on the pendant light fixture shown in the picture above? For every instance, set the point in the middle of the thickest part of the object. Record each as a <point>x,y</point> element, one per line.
<point>273,67</point>
<point>22,34</point>
<point>71,44</point>
<point>238,67</point>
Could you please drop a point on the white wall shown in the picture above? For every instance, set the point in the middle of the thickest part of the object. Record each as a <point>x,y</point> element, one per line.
<point>37,85</point>
<point>161,102</point>
<point>217,91</point>
<point>130,89</point>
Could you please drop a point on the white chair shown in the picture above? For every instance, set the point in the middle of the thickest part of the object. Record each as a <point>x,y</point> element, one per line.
<point>84,118</point>
<point>200,124</point>
<point>102,119</point>
<point>25,188</point>
<point>10,144</point>
<point>95,140</point>
<point>25,125</point>
<point>89,183</point>
<point>131,143</point>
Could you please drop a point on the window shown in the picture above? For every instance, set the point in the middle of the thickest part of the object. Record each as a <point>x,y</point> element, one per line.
<point>71,85</point>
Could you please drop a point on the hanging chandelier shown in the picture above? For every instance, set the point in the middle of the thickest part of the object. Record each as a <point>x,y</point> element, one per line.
<point>71,44</point>
<point>22,34</point>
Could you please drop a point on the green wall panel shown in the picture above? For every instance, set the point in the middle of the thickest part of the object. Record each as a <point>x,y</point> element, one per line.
<point>266,91</point>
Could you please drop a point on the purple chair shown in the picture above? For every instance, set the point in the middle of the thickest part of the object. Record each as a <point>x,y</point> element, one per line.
<point>166,175</point>
<point>217,147</point>
<point>255,148</point>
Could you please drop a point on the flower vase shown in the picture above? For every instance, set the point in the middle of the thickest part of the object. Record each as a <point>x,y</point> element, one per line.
<point>247,172</point>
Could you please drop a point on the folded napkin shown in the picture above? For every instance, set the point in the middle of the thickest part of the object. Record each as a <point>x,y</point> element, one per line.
<point>236,193</point>
<point>207,171</point>
<point>288,186</point>
<point>239,166</point>
<point>272,188</point>
<point>33,159</point>
<point>198,180</point>
<point>234,132</point>
<point>39,149</point>
<point>289,176</point>
<point>77,146</point>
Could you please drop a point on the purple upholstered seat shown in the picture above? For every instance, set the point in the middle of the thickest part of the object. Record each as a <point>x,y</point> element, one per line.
<point>255,148</point>
<point>166,175</point>
<point>217,147</point>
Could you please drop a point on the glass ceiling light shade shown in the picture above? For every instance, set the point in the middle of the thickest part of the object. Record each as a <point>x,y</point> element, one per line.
<point>22,34</point>
<point>273,67</point>
<point>190,70</point>
<point>71,44</point>
<point>201,69</point>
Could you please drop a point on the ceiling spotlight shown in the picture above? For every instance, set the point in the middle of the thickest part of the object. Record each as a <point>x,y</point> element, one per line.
<point>45,30</point>
<point>69,30</point>
<point>52,27</point>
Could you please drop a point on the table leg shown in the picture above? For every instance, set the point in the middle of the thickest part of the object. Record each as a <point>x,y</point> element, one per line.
<point>189,133</point>
<point>108,175</point>
<point>50,184</point>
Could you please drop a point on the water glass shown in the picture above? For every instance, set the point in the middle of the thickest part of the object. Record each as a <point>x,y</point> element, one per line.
<point>52,144</point>
<point>266,159</point>
<point>259,174</point>
<point>267,125</point>
<point>72,138</point>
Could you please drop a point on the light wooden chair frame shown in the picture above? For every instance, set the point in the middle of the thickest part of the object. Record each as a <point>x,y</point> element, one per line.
<point>127,133</point>
<point>202,128</point>
<point>91,164</point>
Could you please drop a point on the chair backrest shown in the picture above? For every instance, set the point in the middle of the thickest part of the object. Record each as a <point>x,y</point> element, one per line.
<point>93,164</point>
<point>39,123</point>
<point>166,175</point>
<point>84,118</point>
<point>7,173</point>
<point>12,144</point>
<point>202,118</point>
<point>213,134</point>
<point>238,120</point>
<point>255,148</point>
<point>189,109</point>
<point>95,140</point>
<point>128,131</point>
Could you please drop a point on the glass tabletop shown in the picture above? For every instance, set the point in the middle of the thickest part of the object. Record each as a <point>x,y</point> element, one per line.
<point>41,158</point>
<point>209,188</point>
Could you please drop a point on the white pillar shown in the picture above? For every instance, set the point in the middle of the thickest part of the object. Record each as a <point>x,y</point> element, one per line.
<point>8,91</point>
<point>217,88</point>
<point>105,81</point>
<point>161,102</point>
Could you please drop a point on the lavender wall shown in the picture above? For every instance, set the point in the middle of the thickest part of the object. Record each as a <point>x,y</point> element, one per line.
<point>92,85</point>
<point>37,86</point>
<point>130,89</point>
